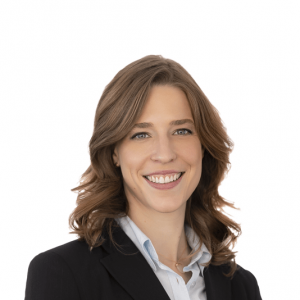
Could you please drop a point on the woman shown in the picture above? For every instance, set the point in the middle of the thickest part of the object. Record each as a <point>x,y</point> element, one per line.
<point>149,216</point>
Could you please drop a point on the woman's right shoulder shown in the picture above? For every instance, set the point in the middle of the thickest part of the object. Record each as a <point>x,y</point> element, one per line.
<point>69,252</point>
<point>57,272</point>
<point>50,271</point>
<point>60,251</point>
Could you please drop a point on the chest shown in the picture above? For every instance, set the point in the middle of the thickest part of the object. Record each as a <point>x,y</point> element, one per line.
<point>186,276</point>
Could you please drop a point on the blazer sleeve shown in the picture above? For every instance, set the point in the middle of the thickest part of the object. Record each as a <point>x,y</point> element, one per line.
<point>50,278</point>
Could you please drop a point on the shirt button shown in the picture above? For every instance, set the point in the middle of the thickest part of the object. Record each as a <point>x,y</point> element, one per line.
<point>193,284</point>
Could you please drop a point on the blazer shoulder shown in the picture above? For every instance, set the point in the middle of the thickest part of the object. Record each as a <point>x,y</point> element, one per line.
<point>48,275</point>
<point>66,249</point>
<point>63,271</point>
<point>73,254</point>
<point>58,252</point>
<point>244,281</point>
<point>243,275</point>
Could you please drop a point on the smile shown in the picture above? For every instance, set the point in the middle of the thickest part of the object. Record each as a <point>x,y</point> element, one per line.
<point>162,182</point>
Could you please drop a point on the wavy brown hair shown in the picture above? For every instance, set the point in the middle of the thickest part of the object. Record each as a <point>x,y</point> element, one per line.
<point>101,195</point>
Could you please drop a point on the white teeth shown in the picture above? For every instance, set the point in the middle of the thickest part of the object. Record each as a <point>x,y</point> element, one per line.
<point>163,180</point>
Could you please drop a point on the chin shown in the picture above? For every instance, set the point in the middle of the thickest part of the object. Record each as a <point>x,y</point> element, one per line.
<point>167,206</point>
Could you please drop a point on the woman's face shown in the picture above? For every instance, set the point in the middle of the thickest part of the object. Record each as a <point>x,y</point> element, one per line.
<point>161,147</point>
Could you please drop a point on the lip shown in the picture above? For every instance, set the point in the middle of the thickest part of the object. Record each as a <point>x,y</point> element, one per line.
<point>165,186</point>
<point>164,172</point>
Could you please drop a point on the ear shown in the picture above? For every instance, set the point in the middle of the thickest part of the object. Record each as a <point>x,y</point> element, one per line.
<point>115,156</point>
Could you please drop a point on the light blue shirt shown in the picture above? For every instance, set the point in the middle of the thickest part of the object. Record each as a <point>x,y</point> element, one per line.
<point>173,283</point>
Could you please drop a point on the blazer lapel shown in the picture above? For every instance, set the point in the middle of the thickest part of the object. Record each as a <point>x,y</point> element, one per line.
<point>131,270</point>
<point>218,286</point>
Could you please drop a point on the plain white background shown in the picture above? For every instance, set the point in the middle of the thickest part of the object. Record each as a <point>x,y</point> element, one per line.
<point>56,59</point>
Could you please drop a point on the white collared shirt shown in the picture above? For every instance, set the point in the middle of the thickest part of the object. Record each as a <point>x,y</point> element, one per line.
<point>173,283</point>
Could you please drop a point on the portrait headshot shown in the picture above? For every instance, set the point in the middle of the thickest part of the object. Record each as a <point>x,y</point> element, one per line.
<point>149,215</point>
<point>149,150</point>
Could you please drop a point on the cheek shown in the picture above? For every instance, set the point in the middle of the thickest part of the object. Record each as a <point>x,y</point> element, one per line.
<point>131,157</point>
<point>131,161</point>
<point>192,154</point>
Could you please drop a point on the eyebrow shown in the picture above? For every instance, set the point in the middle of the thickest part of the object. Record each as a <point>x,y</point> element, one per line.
<point>172,123</point>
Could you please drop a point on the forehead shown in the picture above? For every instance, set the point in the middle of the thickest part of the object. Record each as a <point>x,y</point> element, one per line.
<point>165,104</point>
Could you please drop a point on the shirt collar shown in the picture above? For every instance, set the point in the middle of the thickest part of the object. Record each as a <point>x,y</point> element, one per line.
<point>203,256</point>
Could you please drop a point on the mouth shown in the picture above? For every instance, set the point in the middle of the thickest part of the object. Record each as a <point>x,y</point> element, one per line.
<point>162,183</point>
<point>159,184</point>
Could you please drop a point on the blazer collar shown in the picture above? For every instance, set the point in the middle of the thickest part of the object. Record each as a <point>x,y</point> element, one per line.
<point>135,275</point>
<point>131,269</point>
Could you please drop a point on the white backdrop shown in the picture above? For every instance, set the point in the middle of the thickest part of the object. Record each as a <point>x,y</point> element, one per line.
<point>57,57</point>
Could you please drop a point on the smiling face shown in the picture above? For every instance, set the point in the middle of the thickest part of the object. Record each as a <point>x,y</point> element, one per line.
<point>160,147</point>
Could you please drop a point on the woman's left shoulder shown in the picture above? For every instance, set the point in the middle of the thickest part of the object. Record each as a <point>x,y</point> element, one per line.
<point>244,281</point>
<point>244,275</point>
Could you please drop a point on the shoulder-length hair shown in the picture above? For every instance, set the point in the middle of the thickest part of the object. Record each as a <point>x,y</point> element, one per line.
<point>101,195</point>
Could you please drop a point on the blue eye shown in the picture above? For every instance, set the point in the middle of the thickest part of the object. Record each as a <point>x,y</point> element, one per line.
<point>145,133</point>
<point>140,133</point>
<point>190,132</point>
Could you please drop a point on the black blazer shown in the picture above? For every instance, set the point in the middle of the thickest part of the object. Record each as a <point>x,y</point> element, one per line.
<point>72,272</point>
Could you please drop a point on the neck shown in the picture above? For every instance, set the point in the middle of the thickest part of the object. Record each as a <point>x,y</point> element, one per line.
<point>165,230</point>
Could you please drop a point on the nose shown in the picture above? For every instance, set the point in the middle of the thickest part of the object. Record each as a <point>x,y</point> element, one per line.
<point>163,150</point>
